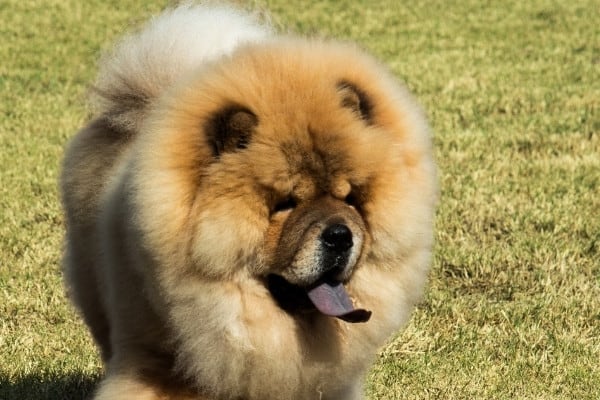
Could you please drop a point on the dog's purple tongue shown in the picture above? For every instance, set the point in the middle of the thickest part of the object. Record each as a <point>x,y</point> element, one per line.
<point>331,299</point>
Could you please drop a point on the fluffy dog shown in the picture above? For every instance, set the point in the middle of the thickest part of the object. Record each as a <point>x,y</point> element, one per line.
<point>249,215</point>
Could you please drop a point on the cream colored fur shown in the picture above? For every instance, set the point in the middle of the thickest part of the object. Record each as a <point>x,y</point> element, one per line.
<point>168,245</point>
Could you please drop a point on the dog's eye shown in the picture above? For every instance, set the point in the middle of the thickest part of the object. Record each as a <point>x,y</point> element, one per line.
<point>286,204</point>
<point>352,200</point>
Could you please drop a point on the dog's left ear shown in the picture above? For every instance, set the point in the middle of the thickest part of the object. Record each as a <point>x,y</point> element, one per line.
<point>230,129</point>
<point>356,100</point>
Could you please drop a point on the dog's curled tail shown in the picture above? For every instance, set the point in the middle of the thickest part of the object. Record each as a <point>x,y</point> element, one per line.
<point>145,64</point>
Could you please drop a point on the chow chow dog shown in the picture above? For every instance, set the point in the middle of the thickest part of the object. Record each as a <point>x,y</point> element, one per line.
<point>249,214</point>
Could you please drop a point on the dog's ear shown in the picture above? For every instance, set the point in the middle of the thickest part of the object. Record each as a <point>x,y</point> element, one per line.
<point>356,100</point>
<point>230,129</point>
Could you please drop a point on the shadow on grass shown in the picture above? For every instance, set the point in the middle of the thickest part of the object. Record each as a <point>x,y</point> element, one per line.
<point>48,387</point>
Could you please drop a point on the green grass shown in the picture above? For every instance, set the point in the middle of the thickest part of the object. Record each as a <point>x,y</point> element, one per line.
<point>513,93</point>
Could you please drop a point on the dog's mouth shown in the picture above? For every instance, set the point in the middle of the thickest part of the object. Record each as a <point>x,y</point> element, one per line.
<point>327,296</point>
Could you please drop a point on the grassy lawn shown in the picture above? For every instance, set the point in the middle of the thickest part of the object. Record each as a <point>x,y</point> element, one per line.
<point>513,93</point>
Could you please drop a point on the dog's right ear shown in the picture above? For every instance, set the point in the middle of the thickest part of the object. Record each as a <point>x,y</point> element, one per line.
<point>355,99</point>
<point>230,129</point>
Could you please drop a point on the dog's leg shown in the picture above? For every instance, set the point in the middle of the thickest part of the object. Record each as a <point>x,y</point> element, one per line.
<point>131,387</point>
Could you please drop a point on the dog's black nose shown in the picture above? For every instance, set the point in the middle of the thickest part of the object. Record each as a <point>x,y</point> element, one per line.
<point>337,238</point>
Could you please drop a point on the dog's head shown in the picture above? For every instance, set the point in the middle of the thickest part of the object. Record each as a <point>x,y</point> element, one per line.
<point>294,164</point>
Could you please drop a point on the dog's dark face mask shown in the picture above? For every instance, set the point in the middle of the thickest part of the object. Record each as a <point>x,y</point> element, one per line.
<point>317,252</point>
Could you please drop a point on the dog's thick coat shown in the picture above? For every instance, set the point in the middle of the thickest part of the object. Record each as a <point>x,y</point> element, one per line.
<point>220,158</point>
